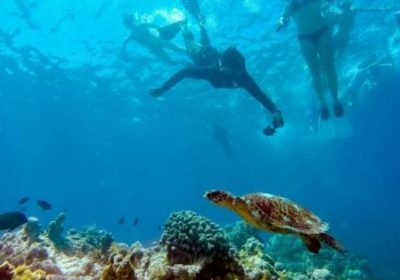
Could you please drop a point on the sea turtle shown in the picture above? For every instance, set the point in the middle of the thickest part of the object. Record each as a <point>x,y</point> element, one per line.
<point>279,215</point>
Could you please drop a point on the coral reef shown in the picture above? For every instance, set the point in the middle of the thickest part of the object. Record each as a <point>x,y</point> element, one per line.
<point>290,255</point>
<point>32,249</point>
<point>240,232</point>
<point>191,248</point>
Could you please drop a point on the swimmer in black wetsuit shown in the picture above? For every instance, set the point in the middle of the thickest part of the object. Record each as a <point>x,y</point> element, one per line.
<point>316,47</point>
<point>230,72</point>
<point>203,53</point>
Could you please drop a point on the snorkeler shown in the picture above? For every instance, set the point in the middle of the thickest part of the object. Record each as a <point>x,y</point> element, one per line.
<point>394,43</point>
<point>201,53</point>
<point>156,39</point>
<point>316,47</point>
<point>345,21</point>
<point>231,73</point>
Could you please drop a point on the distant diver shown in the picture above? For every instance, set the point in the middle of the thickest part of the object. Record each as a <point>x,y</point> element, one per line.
<point>221,136</point>
<point>121,220</point>
<point>11,220</point>
<point>230,72</point>
<point>317,49</point>
<point>154,38</point>
<point>345,21</point>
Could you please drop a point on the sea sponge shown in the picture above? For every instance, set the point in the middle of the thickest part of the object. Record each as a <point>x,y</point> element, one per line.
<point>55,232</point>
<point>119,267</point>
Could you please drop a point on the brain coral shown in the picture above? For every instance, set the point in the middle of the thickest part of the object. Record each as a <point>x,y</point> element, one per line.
<point>189,237</point>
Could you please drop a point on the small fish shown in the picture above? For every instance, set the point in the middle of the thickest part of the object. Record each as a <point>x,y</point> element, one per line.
<point>23,200</point>
<point>159,228</point>
<point>44,205</point>
<point>135,221</point>
<point>12,220</point>
<point>121,221</point>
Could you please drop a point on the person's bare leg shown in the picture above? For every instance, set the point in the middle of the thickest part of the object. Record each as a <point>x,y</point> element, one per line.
<point>171,46</point>
<point>163,55</point>
<point>310,54</point>
<point>327,58</point>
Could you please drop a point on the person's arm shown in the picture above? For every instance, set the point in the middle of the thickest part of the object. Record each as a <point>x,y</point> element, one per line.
<point>251,87</point>
<point>201,73</point>
<point>205,39</point>
<point>285,16</point>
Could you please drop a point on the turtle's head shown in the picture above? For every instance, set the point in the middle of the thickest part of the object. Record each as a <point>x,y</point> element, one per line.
<point>219,197</point>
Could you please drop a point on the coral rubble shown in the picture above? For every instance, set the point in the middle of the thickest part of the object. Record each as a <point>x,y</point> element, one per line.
<point>191,248</point>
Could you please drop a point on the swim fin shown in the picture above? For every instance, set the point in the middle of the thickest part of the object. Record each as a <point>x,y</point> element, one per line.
<point>193,8</point>
<point>170,31</point>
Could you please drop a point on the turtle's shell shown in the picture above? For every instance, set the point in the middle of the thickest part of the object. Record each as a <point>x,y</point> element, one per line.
<point>281,215</point>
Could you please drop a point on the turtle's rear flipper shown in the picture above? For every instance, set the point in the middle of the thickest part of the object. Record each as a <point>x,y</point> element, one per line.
<point>332,242</point>
<point>312,243</point>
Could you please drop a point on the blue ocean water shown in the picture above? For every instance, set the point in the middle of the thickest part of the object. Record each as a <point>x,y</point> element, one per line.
<point>78,129</point>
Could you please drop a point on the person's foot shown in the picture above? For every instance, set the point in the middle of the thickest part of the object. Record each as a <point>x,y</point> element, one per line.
<point>324,112</point>
<point>156,92</point>
<point>277,119</point>
<point>269,131</point>
<point>338,109</point>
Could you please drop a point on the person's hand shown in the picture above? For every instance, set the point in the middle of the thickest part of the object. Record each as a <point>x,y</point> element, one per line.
<point>281,24</point>
<point>277,119</point>
<point>156,92</point>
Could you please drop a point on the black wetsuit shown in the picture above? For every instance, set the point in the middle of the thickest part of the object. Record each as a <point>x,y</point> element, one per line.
<point>220,79</point>
<point>205,54</point>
